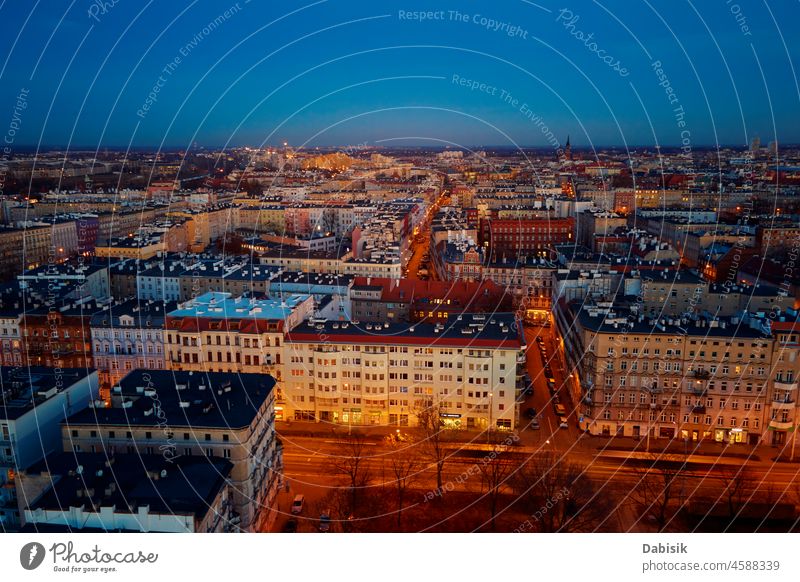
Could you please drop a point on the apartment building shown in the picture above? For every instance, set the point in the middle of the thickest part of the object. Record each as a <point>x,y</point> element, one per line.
<point>11,353</point>
<point>176,414</point>
<point>58,335</point>
<point>129,493</point>
<point>699,378</point>
<point>377,300</point>
<point>784,413</point>
<point>385,374</point>
<point>513,237</point>
<point>127,336</point>
<point>34,401</point>
<point>219,333</point>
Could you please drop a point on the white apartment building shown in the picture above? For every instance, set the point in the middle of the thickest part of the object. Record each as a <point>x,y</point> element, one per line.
<point>384,374</point>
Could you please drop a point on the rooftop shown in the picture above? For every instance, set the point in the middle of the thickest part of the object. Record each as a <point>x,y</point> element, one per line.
<point>188,400</point>
<point>185,485</point>
<point>497,330</point>
<point>219,305</point>
<point>22,389</point>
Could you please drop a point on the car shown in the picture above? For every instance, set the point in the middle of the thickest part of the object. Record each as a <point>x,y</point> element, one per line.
<point>290,526</point>
<point>535,424</point>
<point>325,521</point>
<point>529,391</point>
<point>297,504</point>
<point>551,382</point>
<point>560,410</point>
<point>562,422</point>
<point>531,412</point>
<point>556,399</point>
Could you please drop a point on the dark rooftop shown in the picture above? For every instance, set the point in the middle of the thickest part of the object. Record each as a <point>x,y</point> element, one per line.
<point>186,399</point>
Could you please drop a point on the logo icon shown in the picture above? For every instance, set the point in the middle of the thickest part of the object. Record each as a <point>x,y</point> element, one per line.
<point>31,555</point>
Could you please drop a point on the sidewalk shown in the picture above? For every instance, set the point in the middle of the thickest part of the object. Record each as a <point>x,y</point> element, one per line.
<point>762,452</point>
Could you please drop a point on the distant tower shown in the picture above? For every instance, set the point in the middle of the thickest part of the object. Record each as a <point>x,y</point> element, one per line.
<point>567,150</point>
<point>773,147</point>
<point>755,145</point>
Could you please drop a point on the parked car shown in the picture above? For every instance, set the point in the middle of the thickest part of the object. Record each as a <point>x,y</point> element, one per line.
<point>560,410</point>
<point>535,424</point>
<point>325,521</point>
<point>529,390</point>
<point>562,422</point>
<point>290,526</point>
<point>531,412</point>
<point>297,504</point>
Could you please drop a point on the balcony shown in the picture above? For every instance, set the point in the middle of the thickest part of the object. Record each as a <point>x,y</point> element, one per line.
<point>783,403</point>
<point>698,388</point>
<point>702,374</point>
<point>699,409</point>
<point>788,386</point>
<point>778,425</point>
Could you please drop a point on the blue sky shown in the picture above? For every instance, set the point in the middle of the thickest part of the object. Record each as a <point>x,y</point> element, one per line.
<point>350,72</point>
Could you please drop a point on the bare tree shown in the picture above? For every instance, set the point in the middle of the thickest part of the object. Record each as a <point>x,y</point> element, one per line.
<point>495,470</point>
<point>658,489</point>
<point>406,464</point>
<point>352,464</point>
<point>738,482</point>
<point>434,437</point>
<point>560,496</point>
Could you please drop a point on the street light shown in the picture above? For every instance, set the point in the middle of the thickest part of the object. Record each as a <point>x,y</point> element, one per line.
<point>489,428</point>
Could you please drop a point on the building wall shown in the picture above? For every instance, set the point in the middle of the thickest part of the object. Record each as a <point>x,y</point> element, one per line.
<point>682,386</point>
<point>389,384</point>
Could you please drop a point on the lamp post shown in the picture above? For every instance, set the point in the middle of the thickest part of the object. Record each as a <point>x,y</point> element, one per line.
<point>349,412</point>
<point>489,428</point>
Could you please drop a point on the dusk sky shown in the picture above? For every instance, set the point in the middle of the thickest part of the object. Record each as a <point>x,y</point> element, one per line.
<point>342,72</point>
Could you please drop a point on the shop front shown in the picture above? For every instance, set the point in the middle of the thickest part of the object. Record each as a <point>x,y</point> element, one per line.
<point>730,435</point>
<point>450,420</point>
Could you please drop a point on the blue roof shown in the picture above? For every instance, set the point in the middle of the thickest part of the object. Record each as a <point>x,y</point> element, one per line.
<point>224,306</point>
